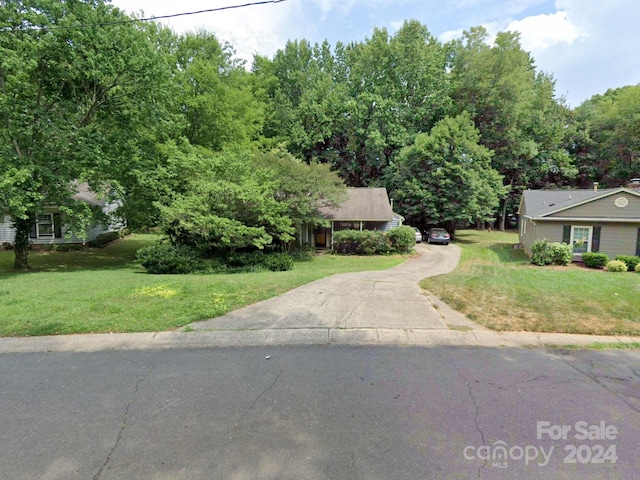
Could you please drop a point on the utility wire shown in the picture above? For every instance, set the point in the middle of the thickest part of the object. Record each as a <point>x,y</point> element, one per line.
<point>10,28</point>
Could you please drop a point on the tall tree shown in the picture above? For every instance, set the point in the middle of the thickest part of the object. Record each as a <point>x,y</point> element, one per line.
<point>217,97</point>
<point>77,79</point>
<point>607,137</point>
<point>445,177</point>
<point>514,109</point>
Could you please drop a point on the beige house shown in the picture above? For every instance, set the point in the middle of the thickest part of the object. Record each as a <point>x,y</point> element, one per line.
<point>364,209</point>
<point>593,220</point>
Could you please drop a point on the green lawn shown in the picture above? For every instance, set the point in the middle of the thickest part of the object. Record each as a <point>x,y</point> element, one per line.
<point>496,286</point>
<point>103,290</point>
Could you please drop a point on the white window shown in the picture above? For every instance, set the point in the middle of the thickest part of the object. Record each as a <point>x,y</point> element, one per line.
<point>44,226</point>
<point>581,238</point>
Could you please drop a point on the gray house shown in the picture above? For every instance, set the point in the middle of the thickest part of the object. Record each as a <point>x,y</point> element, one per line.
<point>50,226</point>
<point>594,220</point>
<point>364,209</point>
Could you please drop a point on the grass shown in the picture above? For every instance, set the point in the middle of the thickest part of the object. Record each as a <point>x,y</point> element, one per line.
<point>496,286</point>
<point>104,290</point>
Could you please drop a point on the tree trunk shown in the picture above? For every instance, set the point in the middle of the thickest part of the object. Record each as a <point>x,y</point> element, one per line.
<point>21,242</point>
<point>503,216</point>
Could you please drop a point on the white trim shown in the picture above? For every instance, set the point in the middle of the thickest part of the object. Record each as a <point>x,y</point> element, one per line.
<point>50,222</point>
<point>589,240</point>
<point>586,219</point>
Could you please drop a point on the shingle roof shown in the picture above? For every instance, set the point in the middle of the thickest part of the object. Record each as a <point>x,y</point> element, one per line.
<point>541,202</point>
<point>85,194</point>
<point>366,204</point>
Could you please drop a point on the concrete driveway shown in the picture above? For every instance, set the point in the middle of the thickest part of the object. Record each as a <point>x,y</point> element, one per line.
<point>387,299</point>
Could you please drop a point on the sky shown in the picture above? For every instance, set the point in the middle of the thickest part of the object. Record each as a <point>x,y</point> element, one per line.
<point>588,46</point>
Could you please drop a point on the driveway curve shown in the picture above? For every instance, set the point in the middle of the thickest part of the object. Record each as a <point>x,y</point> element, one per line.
<point>382,299</point>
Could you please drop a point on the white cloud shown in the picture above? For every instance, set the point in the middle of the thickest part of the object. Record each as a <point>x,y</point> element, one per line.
<point>258,29</point>
<point>542,31</point>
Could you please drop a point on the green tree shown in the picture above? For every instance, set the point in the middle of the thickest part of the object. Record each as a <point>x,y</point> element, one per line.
<point>606,143</point>
<point>515,110</point>
<point>242,199</point>
<point>217,97</point>
<point>445,177</point>
<point>76,84</point>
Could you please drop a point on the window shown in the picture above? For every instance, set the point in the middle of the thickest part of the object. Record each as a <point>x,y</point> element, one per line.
<point>45,226</point>
<point>581,238</point>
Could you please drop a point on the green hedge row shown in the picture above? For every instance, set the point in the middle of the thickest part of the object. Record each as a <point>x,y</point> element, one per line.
<point>374,242</point>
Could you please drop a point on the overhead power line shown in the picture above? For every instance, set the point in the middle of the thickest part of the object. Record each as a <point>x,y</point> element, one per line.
<point>9,28</point>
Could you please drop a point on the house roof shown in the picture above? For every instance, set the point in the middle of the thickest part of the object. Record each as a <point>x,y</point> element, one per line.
<point>362,204</point>
<point>86,195</point>
<point>541,203</point>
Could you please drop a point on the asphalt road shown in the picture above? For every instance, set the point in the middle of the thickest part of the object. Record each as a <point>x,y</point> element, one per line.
<point>320,412</point>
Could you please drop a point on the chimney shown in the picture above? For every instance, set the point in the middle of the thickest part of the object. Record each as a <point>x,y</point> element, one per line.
<point>595,187</point>
<point>634,184</point>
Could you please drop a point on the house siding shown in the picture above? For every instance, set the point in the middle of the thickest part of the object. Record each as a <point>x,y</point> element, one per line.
<point>605,208</point>
<point>615,238</point>
<point>7,234</point>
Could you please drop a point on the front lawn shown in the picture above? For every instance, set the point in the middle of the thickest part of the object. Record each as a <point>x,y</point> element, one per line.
<point>104,290</point>
<point>496,286</point>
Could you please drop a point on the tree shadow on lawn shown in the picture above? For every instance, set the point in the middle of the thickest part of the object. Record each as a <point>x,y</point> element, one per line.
<point>507,253</point>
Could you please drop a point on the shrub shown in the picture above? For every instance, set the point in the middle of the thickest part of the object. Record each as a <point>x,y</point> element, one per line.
<point>595,260</point>
<point>7,245</point>
<point>630,260</point>
<point>402,239</point>
<point>616,266</point>
<point>104,239</point>
<point>164,257</point>
<point>637,269</point>
<point>278,262</point>
<point>244,259</point>
<point>541,252</point>
<point>302,253</point>
<point>561,253</point>
<point>67,247</point>
<point>373,242</point>
<point>252,261</point>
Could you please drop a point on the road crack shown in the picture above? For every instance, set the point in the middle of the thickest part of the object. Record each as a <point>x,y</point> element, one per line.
<point>597,379</point>
<point>253,404</point>
<point>125,418</point>
<point>475,406</point>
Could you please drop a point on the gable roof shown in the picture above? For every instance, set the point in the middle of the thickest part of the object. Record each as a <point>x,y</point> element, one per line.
<point>85,194</point>
<point>362,204</point>
<point>541,203</point>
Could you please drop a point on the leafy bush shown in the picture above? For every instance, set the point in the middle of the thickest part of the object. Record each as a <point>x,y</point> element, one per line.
<point>244,259</point>
<point>67,247</point>
<point>302,253</point>
<point>541,252</point>
<point>7,245</point>
<point>637,269</point>
<point>278,262</point>
<point>561,253</point>
<point>373,242</point>
<point>164,257</point>
<point>595,260</point>
<point>402,239</point>
<point>616,266</point>
<point>630,260</point>
<point>104,239</point>
<point>252,261</point>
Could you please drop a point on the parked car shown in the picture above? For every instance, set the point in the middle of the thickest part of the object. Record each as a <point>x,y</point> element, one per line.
<point>438,235</point>
<point>418,235</point>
